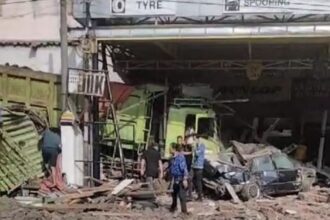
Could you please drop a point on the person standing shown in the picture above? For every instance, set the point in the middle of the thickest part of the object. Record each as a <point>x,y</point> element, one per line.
<point>51,148</point>
<point>189,157</point>
<point>198,166</point>
<point>189,135</point>
<point>151,165</point>
<point>179,174</point>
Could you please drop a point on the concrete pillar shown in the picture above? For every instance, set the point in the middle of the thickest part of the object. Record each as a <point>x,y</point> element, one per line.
<point>72,151</point>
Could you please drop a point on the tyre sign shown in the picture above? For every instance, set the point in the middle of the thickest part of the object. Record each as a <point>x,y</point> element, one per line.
<point>142,7</point>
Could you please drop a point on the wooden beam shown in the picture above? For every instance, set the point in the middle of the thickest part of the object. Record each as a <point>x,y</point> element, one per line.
<point>322,140</point>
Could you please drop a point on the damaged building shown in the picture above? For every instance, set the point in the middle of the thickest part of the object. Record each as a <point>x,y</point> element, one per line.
<point>269,70</point>
<point>249,78</point>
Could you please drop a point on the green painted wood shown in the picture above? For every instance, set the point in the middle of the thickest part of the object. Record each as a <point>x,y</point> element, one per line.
<point>37,90</point>
<point>20,157</point>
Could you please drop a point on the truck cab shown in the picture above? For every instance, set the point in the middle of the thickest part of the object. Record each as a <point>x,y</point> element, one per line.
<point>185,113</point>
<point>139,119</point>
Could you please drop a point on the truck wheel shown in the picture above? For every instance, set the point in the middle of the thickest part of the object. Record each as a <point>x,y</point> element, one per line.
<point>250,191</point>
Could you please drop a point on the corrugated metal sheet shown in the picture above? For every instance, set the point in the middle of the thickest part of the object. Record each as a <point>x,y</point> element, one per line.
<point>20,156</point>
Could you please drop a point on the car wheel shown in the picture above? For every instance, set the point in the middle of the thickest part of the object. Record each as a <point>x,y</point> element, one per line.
<point>250,191</point>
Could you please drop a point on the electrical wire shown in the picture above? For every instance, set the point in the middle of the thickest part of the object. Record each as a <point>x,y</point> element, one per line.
<point>22,2</point>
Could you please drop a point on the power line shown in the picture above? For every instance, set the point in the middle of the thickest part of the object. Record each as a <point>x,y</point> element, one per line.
<point>21,2</point>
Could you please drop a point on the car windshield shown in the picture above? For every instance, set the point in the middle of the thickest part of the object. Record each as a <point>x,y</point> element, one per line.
<point>281,161</point>
<point>262,164</point>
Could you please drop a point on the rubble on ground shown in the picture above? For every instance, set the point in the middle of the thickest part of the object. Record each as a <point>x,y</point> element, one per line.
<point>304,206</point>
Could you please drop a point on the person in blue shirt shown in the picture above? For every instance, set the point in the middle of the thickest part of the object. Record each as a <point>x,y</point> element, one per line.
<point>198,166</point>
<point>179,173</point>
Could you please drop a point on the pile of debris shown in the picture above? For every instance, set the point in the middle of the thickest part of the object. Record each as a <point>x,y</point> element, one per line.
<point>125,194</point>
<point>95,203</point>
<point>252,170</point>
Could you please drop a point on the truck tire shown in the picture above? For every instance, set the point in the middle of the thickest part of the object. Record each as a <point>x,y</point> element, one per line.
<point>250,191</point>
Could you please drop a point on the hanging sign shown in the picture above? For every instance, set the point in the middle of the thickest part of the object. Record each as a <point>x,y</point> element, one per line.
<point>311,88</point>
<point>263,90</point>
<point>253,6</point>
<point>86,82</point>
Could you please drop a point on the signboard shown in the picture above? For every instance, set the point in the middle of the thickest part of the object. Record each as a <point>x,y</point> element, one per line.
<point>86,82</point>
<point>141,7</point>
<point>307,88</point>
<point>276,6</point>
<point>198,8</point>
<point>266,90</point>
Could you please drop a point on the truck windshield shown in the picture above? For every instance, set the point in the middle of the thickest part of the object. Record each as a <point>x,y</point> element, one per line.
<point>206,126</point>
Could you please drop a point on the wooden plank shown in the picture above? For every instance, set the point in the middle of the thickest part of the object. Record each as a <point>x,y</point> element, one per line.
<point>85,194</point>
<point>121,186</point>
<point>113,214</point>
<point>74,207</point>
<point>232,193</point>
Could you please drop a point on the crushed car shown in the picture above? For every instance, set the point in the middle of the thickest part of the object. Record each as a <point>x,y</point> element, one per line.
<point>253,170</point>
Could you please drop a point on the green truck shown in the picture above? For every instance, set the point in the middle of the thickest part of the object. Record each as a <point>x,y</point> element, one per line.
<point>36,90</point>
<point>145,115</point>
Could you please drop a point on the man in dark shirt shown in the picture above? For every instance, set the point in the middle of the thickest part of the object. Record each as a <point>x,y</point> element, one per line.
<point>151,165</point>
<point>51,148</point>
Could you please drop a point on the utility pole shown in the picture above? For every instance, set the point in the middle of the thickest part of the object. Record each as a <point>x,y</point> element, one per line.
<point>88,132</point>
<point>64,53</point>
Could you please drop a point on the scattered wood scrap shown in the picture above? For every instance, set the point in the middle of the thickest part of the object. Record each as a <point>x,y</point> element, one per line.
<point>232,193</point>
<point>113,214</point>
<point>75,207</point>
<point>121,186</point>
<point>103,198</point>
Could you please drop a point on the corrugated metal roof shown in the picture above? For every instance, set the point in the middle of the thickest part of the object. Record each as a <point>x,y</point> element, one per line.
<point>20,156</point>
